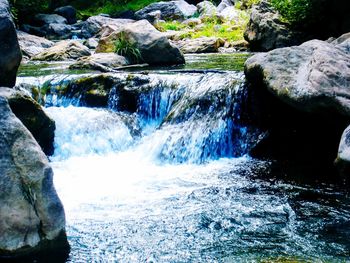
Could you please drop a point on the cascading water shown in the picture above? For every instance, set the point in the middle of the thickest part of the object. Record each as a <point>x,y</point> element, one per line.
<point>161,175</point>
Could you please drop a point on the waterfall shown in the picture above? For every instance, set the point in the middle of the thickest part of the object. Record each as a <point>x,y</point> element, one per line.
<point>182,118</point>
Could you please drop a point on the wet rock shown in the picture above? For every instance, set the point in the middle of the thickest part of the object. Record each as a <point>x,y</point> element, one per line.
<point>94,24</point>
<point>33,30</point>
<point>33,118</point>
<point>200,45</point>
<point>343,159</point>
<point>312,77</point>
<point>231,14</point>
<point>224,4</point>
<point>192,22</point>
<point>58,31</point>
<point>172,10</point>
<point>64,50</point>
<point>10,52</point>
<point>32,216</point>
<point>32,45</point>
<point>100,61</point>
<point>154,47</point>
<point>266,31</point>
<point>342,39</point>
<point>68,12</point>
<point>240,45</point>
<point>207,9</point>
<point>91,43</point>
<point>45,19</point>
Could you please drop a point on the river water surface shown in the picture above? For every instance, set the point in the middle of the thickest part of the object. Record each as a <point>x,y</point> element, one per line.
<point>172,181</point>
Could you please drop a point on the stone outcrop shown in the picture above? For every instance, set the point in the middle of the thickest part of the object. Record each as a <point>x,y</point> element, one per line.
<point>93,24</point>
<point>200,45</point>
<point>32,45</point>
<point>266,31</point>
<point>301,98</point>
<point>172,10</point>
<point>10,53</point>
<point>64,50</point>
<point>31,215</point>
<point>30,113</point>
<point>313,77</point>
<point>154,47</point>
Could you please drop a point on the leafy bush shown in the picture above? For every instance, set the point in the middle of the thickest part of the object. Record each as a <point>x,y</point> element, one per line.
<point>25,9</point>
<point>124,47</point>
<point>294,11</point>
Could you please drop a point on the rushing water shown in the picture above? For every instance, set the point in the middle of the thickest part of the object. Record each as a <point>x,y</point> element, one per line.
<point>171,181</point>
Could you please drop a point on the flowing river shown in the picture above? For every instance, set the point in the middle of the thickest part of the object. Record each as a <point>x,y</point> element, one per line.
<point>165,176</point>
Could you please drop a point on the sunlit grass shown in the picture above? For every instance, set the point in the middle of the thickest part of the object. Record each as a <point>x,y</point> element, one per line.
<point>211,27</point>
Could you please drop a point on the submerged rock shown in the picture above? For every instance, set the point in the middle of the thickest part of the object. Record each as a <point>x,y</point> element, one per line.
<point>266,31</point>
<point>101,61</point>
<point>10,52</point>
<point>30,113</point>
<point>32,45</point>
<point>154,47</point>
<point>172,10</point>
<point>64,50</point>
<point>200,45</point>
<point>32,216</point>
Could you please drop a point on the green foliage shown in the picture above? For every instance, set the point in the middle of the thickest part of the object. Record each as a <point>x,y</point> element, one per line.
<point>246,4</point>
<point>23,10</point>
<point>124,47</point>
<point>294,11</point>
<point>211,27</point>
<point>170,25</point>
<point>111,7</point>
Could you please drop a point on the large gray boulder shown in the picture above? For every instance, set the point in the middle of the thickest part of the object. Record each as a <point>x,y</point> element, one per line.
<point>64,50</point>
<point>301,99</point>
<point>172,10</point>
<point>68,12</point>
<point>343,158</point>
<point>266,30</point>
<point>312,77</point>
<point>31,214</point>
<point>33,117</point>
<point>10,52</point>
<point>94,24</point>
<point>154,47</point>
<point>32,45</point>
